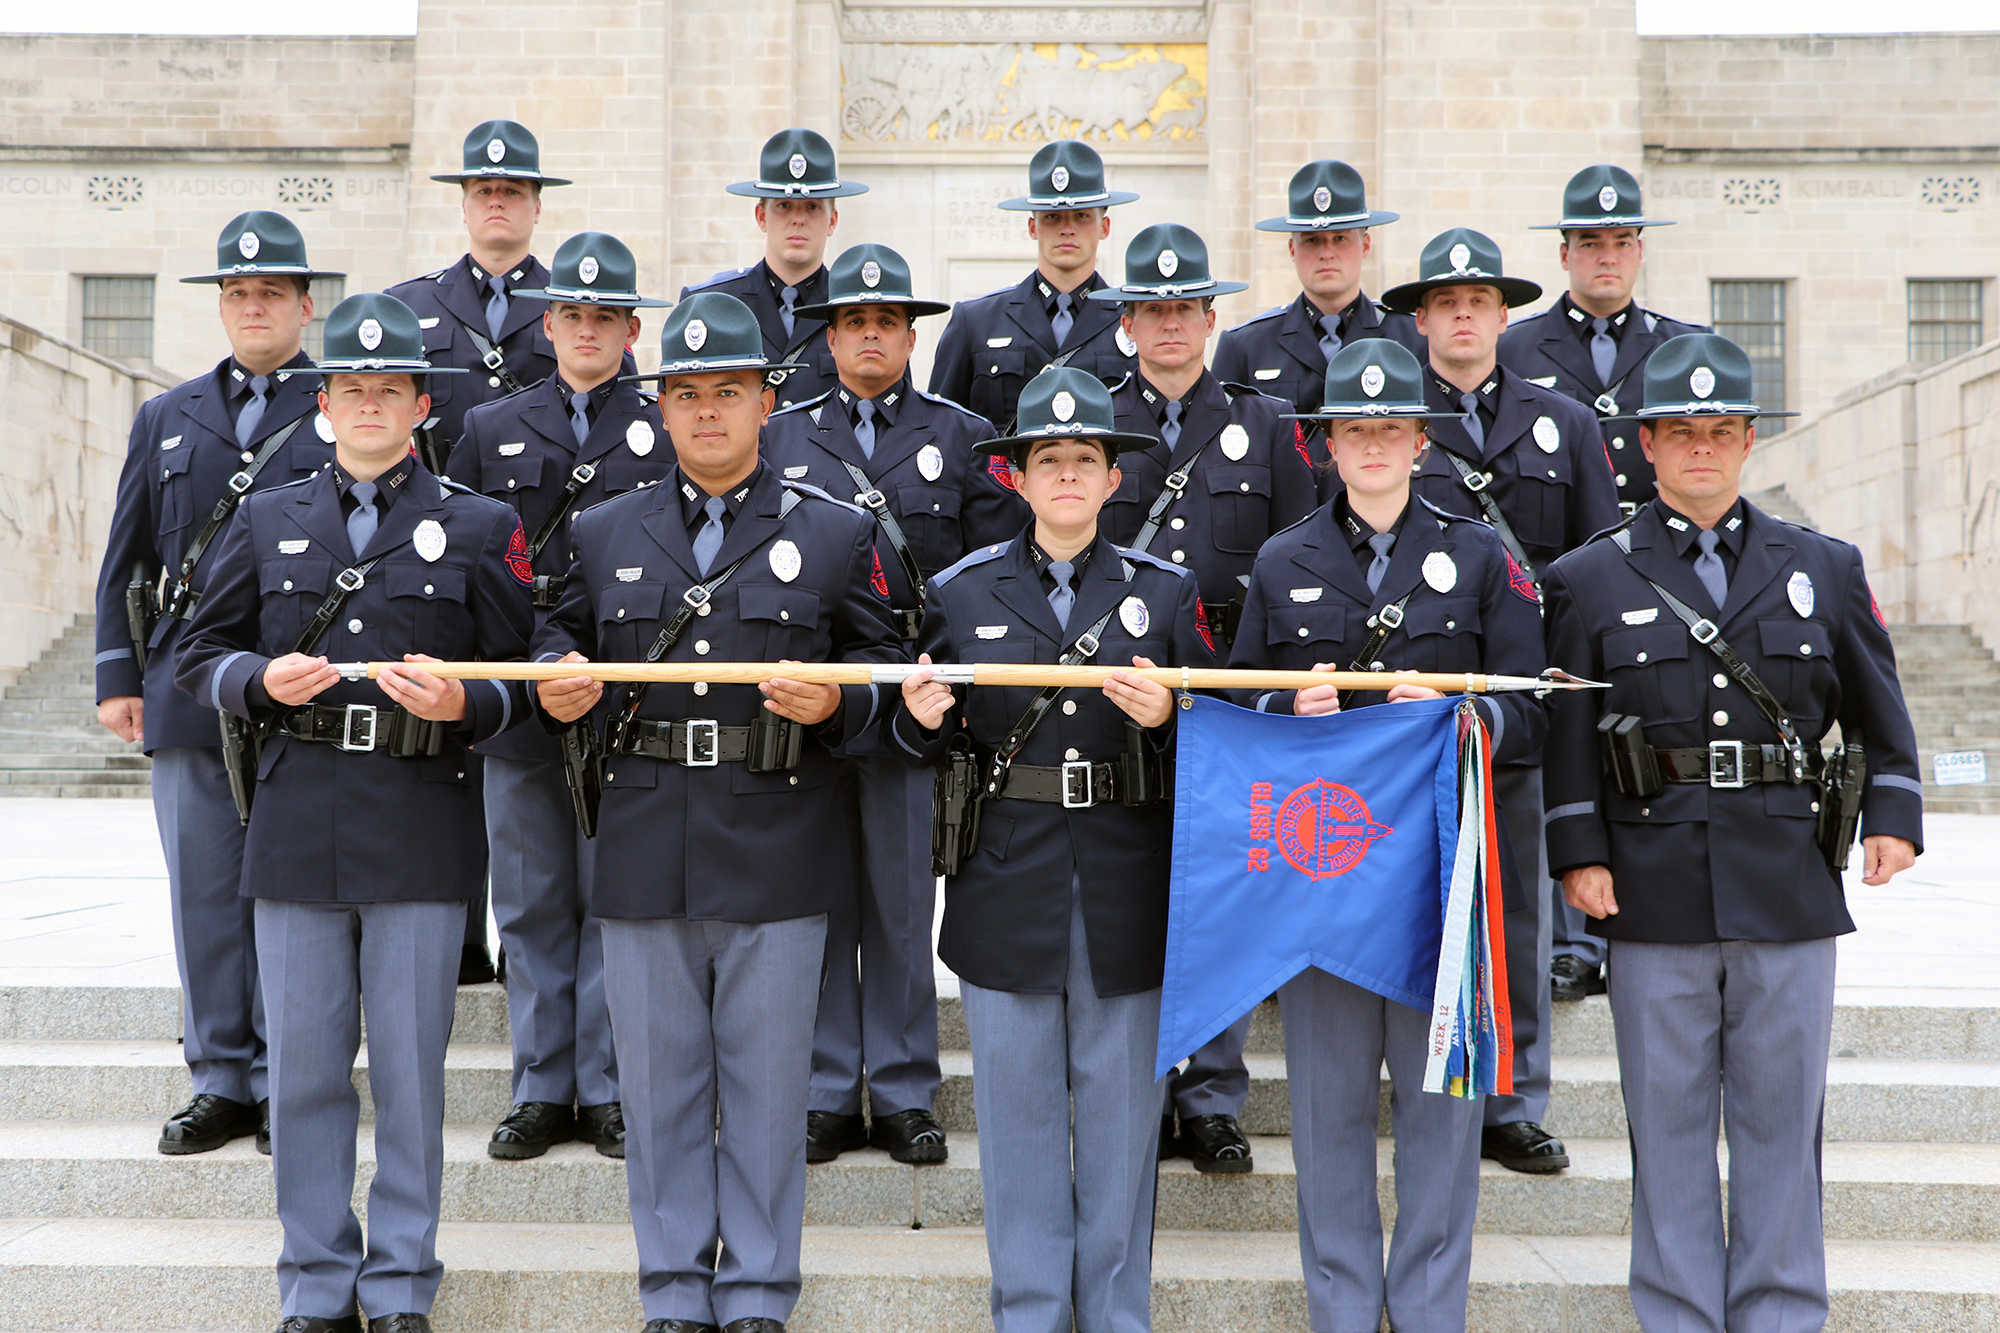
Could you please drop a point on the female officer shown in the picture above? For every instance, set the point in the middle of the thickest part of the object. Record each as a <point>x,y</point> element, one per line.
<point>1376,579</point>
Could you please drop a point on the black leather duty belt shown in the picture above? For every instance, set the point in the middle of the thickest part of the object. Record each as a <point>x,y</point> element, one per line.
<point>549,589</point>
<point>1077,785</point>
<point>696,742</point>
<point>1725,764</point>
<point>363,729</point>
<point>908,623</point>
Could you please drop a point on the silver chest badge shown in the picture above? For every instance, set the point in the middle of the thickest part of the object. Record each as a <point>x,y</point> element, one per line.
<point>1235,442</point>
<point>785,562</point>
<point>429,539</point>
<point>639,437</point>
<point>1799,588</point>
<point>1126,347</point>
<point>1440,572</point>
<point>323,427</point>
<point>1548,435</point>
<point>930,462</point>
<point>1133,616</point>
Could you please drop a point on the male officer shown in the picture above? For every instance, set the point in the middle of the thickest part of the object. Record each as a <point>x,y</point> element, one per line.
<point>195,450</point>
<point>365,838</point>
<point>1526,461</point>
<point>1590,345</point>
<point>1223,476</point>
<point>796,184</point>
<point>998,342</point>
<point>909,458</point>
<point>552,451</point>
<point>1733,642</point>
<point>1056,921</point>
<point>1284,351</point>
<point>471,321</point>
<point>723,839</point>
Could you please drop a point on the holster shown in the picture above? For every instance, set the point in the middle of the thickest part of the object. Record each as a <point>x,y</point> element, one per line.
<point>774,743</point>
<point>432,450</point>
<point>1634,768</point>
<point>141,611</point>
<point>1841,780</point>
<point>242,747</point>
<point>1142,778</point>
<point>955,801</point>
<point>583,772</point>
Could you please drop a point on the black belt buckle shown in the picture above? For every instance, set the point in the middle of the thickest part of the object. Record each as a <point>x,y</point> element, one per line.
<point>549,589</point>
<point>704,743</point>
<point>1076,788</point>
<point>1727,768</point>
<point>366,714</point>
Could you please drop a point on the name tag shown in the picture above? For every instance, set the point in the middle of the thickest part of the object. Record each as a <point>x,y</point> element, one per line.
<point>1645,617</point>
<point>509,450</point>
<point>794,473</point>
<point>171,442</point>
<point>295,546</point>
<point>631,575</point>
<point>1307,594</point>
<point>990,631</point>
<point>1544,381</point>
<point>1270,374</point>
<point>1000,342</point>
<point>430,323</point>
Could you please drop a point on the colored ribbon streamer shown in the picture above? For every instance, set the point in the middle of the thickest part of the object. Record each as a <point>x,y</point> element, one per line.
<point>1471,1043</point>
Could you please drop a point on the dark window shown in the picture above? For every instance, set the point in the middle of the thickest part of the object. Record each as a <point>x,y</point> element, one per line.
<point>1752,315</point>
<point>326,294</point>
<point>1944,318</point>
<point>118,316</point>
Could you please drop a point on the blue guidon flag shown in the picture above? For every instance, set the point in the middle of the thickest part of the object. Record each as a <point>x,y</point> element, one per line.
<point>1361,843</point>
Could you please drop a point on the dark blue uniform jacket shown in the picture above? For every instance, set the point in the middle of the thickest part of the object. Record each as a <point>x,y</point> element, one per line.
<point>449,300</point>
<point>998,342</point>
<point>806,346</point>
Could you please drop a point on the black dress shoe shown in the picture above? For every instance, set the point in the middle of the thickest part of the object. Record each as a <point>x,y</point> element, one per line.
<point>529,1129</point>
<point>264,1127</point>
<point>912,1136</point>
<point>1570,978</point>
<point>602,1126</point>
<point>1216,1146</point>
<point>474,967</point>
<point>753,1326</point>
<point>677,1326</point>
<point>829,1134</point>
<point>205,1124</point>
<point>400,1323</point>
<point>1523,1146</point>
<point>299,1323</point>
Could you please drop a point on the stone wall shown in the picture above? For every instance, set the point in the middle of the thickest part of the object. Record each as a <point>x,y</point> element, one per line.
<point>1908,469</point>
<point>65,415</point>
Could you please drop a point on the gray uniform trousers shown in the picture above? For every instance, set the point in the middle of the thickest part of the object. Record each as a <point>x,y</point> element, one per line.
<point>881,1016</point>
<point>715,1016</point>
<point>1567,932</point>
<point>215,939</point>
<point>1337,1036</point>
<point>555,949</point>
<point>1215,1081</point>
<point>322,962</point>
<point>1518,792</point>
<point>1069,1206</point>
<point>1731,1036</point>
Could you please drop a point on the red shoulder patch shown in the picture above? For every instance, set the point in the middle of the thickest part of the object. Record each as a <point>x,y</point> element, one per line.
<point>878,580</point>
<point>1299,442</point>
<point>519,563</point>
<point>998,468</point>
<point>1201,623</point>
<point>1518,580</point>
<point>1876,607</point>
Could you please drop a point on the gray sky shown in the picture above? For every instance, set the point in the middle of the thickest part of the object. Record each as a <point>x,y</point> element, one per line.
<point>400,16</point>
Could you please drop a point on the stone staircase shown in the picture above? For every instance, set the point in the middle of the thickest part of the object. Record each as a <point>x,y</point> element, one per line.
<point>50,743</point>
<point>1952,685</point>
<point>106,1234</point>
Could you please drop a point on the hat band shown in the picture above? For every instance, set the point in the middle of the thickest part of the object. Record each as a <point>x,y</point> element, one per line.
<point>798,187</point>
<point>871,298</point>
<point>589,296</point>
<point>373,363</point>
<point>1378,410</point>
<point>515,173</point>
<point>1462,273</point>
<point>1083,428</point>
<point>227,269</point>
<point>1068,200</point>
<point>1169,288</point>
<point>1320,220</point>
<point>1600,222</point>
<point>1709,409</point>
<point>725,363</point>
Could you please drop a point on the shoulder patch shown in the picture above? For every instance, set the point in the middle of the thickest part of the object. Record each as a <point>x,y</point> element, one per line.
<point>1137,557</point>
<point>808,490</point>
<point>1201,623</point>
<point>519,563</point>
<point>1518,580</point>
<point>998,468</point>
<point>965,562</point>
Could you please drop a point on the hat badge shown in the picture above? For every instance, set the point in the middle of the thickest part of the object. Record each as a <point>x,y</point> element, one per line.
<point>1702,381</point>
<point>1059,178</point>
<point>871,274</point>
<point>587,270</point>
<point>1461,255</point>
<point>1372,380</point>
<point>1063,405</point>
<point>1322,199</point>
<point>1607,198</point>
<point>797,166</point>
<point>695,334</point>
<point>370,334</point>
<point>1170,263</point>
<point>496,150</point>
<point>249,244</point>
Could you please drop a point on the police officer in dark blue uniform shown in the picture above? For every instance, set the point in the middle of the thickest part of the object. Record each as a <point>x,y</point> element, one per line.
<point>908,457</point>
<point>998,342</point>
<point>1284,351</point>
<point>1056,921</point>
<point>1224,475</point>
<point>1733,642</point>
<point>551,451</point>
<point>797,182</point>
<point>365,838</point>
<point>1590,345</point>
<point>195,450</point>
<point>723,839</point>
<point>1379,577</point>
<point>1528,462</point>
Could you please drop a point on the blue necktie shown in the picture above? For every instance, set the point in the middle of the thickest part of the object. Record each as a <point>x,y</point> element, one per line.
<point>1062,321</point>
<point>496,307</point>
<point>1378,568</point>
<point>1603,350</point>
<point>1473,425</point>
<point>1171,432</point>
<point>788,300</point>
<point>709,540</point>
<point>864,429</point>
<point>1062,597</point>
<point>252,412</point>
<point>579,417</point>
<point>1708,567</point>
<point>1329,335</point>
<point>361,523</point>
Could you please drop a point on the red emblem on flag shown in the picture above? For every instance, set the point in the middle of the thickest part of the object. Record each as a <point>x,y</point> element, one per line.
<point>519,562</point>
<point>878,580</point>
<point>1518,580</point>
<point>1201,623</point>
<point>1001,471</point>
<point>1324,829</point>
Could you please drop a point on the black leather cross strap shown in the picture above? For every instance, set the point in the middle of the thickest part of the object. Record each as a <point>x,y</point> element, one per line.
<point>1477,482</point>
<point>548,588</point>
<point>1709,635</point>
<point>870,497</point>
<point>669,741</point>
<point>347,581</point>
<point>1169,496</point>
<point>1024,726</point>
<point>490,356</point>
<point>1381,625</point>
<point>180,598</point>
